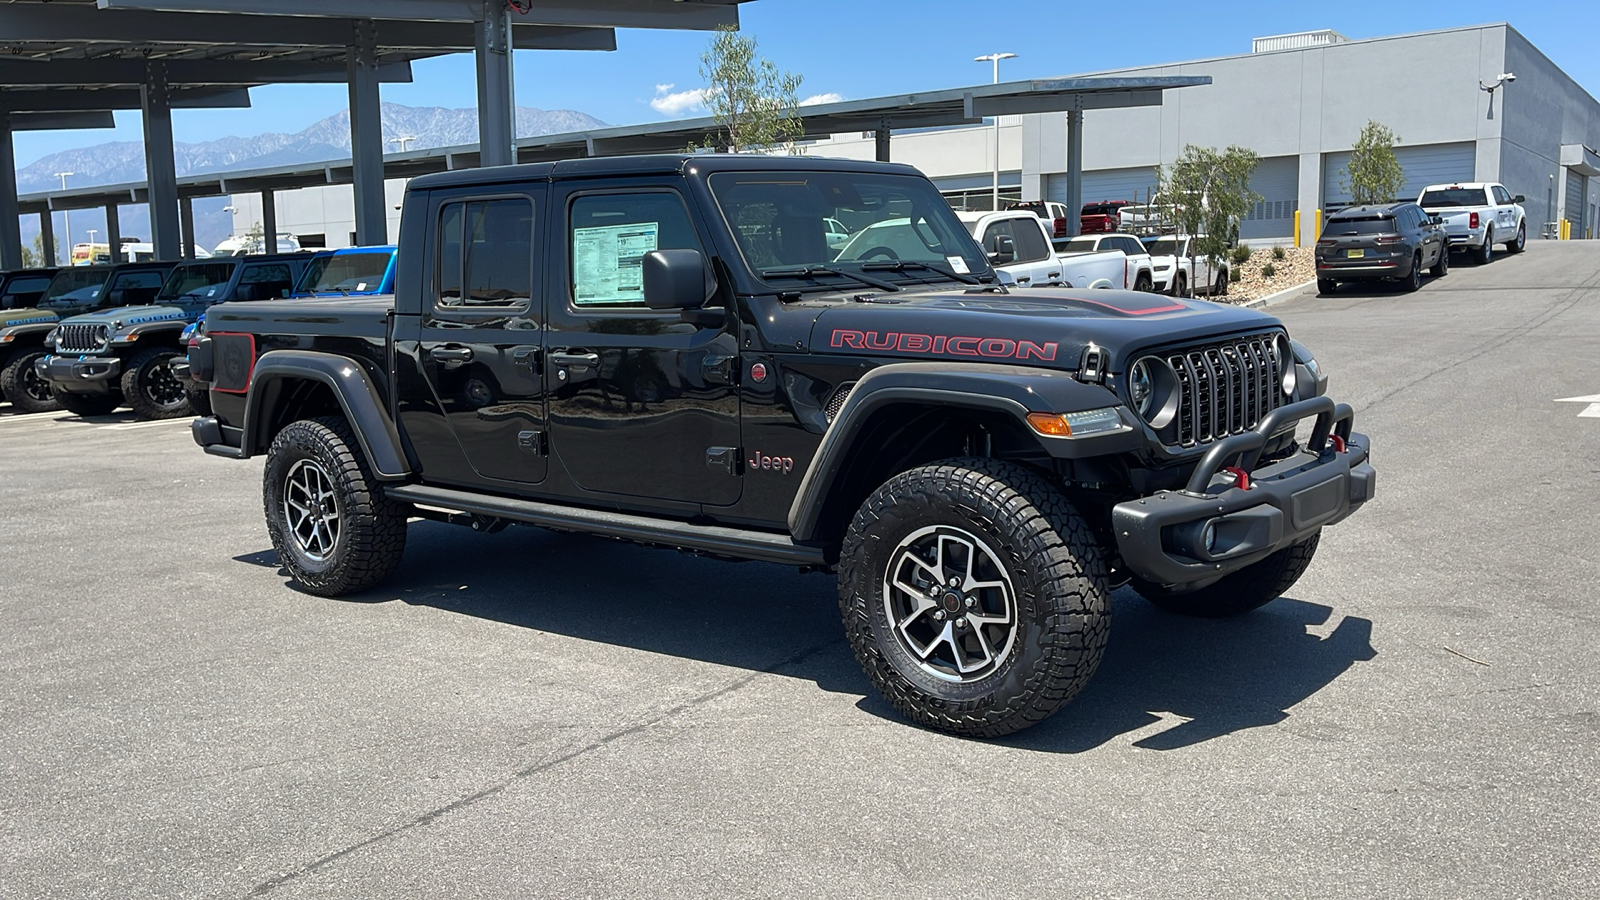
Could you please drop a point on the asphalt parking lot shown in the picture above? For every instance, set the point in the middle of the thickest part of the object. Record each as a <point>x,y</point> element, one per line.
<point>534,714</point>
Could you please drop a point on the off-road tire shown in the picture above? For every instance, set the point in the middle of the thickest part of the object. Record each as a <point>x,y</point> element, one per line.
<point>23,386</point>
<point>1057,575</point>
<point>1485,252</point>
<point>84,405</point>
<point>1521,240</point>
<point>151,388</point>
<point>1441,266</point>
<point>1249,588</point>
<point>1413,280</point>
<point>1181,279</point>
<point>371,533</point>
<point>1326,286</point>
<point>1142,282</point>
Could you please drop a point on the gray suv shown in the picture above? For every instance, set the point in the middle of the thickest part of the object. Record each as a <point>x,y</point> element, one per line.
<point>1391,242</point>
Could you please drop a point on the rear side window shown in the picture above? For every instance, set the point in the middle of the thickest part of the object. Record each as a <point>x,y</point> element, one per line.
<point>265,282</point>
<point>485,255</point>
<point>1363,225</point>
<point>1079,245</point>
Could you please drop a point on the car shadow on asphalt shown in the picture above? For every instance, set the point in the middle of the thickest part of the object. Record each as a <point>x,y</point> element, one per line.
<point>1213,677</point>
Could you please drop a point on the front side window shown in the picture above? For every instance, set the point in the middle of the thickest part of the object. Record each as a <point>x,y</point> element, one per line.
<point>608,236</point>
<point>138,281</point>
<point>1031,245</point>
<point>777,220</point>
<point>265,282</point>
<point>200,280</point>
<point>485,253</point>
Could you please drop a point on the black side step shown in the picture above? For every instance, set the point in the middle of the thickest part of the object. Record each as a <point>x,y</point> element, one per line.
<point>716,539</point>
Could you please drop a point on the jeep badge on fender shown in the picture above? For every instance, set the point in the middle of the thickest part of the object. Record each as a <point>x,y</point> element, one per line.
<point>980,467</point>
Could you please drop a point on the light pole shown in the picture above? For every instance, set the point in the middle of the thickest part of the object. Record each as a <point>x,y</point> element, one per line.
<point>66,216</point>
<point>404,141</point>
<point>995,58</point>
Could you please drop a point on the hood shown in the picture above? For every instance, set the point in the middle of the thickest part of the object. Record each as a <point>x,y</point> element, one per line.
<point>125,316</point>
<point>13,317</point>
<point>1036,326</point>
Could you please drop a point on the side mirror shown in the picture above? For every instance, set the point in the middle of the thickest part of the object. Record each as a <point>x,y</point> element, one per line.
<point>674,279</point>
<point>1436,219</point>
<point>1519,199</point>
<point>1002,251</point>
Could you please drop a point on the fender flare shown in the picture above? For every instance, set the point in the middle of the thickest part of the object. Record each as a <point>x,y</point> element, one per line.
<point>1011,390</point>
<point>175,326</point>
<point>357,396</point>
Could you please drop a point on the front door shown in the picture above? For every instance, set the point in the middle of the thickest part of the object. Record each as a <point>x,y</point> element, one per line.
<point>479,343</point>
<point>642,404</point>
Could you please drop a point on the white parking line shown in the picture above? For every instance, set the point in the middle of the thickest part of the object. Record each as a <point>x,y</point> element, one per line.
<point>129,426</point>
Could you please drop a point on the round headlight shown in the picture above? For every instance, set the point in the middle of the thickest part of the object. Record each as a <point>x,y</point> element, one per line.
<point>1153,390</point>
<point>1142,388</point>
<point>1285,354</point>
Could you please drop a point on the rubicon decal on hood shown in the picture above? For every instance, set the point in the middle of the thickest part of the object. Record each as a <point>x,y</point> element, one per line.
<point>36,320</point>
<point>939,344</point>
<point>163,318</point>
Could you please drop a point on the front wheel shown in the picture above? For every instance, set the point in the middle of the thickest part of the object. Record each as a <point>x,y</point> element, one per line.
<point>1521,240</point>
<point>1143,283</point>
<point>1247,589</point>
<point>1219,288</point>
<point>974,596</point>
<point>23,386</point>
<point>151,388</point>
<point>334,529</point>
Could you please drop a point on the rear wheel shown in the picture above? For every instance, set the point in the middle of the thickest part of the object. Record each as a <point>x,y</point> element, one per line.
<point>1441,266</point>
<point>974,596</point>
<point>1219,288</point>
<point>23,386</point>
<point>1326,286</point>
<point>1486,252</point>
<point>1143,283</point>
<point>1247,589</point>
<point>1521,240</point>
<point>151,388</point>
<point>1413,279</point>
<point>88,404</point>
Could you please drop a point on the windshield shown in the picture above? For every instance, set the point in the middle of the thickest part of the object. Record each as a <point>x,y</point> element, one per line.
<point>203,280</point>
<point>1442,197</point>
<point>778,220</point>
<point>72,285</point>
<point>352,273</point>
<point>1365,225</point>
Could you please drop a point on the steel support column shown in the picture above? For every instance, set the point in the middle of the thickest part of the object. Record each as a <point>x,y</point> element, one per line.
<point>497,108</point>
<point>269,221</point>
<point>10,227</point>
<point>160,168</point>
<point>366,136</point>
<point>186,217</point>
<point>1074,170</point>
<point>882,136</point>
<point>114,231</point>
<point>47,233</point>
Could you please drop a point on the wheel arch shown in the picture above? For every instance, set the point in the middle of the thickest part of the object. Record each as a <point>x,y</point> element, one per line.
<point>287,385</point>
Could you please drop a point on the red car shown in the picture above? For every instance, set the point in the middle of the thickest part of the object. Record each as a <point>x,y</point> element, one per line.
<point>1101,217</point>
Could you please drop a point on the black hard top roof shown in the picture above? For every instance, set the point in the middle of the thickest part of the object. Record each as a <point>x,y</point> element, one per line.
<point>298,256</point>
<point>659,164</point>
<point>39,270</point>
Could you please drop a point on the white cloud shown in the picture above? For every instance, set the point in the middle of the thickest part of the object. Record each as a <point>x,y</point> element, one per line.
<point>675,103</point>
<point>815,99</point>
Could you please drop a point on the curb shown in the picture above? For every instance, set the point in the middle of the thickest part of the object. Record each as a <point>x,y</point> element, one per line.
<point>1279,297</point>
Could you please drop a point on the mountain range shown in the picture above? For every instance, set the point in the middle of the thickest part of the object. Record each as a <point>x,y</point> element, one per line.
<point>119,162</point>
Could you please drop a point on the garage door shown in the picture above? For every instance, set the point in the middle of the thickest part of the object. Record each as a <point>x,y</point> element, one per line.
<point>1277,181</point>
<point>1575,202</point>
<point>1105,184</point>
<point>1430,164</point>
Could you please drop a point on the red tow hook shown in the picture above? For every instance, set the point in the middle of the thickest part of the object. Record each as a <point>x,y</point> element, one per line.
<point>1241,478</point>
<point>1338,443</point>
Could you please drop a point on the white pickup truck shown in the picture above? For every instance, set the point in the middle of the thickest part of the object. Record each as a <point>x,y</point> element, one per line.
<point>1169,254</point>
<point>1138,267</point>
<point>1034,262</point>
<point>1478,215</point>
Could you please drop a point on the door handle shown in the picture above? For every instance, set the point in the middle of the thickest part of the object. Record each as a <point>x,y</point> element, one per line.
<point>1024,280</point>
<point>574,360</point>
<point>451,354</point>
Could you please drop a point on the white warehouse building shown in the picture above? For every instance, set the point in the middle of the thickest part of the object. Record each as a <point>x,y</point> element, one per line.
<point>1298,101</point>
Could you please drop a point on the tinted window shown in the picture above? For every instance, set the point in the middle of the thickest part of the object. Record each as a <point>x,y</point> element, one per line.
<point>1079,245</point>
<point>485,253</point>
<point>1501,195</point>
<point>1162,246</point>
<point>1442,197</point>
<point>357,272</point>
<point>129,281</point>
<point>1031,245</point>
<point>196,280</point>
<point>264,282</point>
<point>1361,225</point>
<point>609,235</point>
<point>23,289</point>
<point>75,285</point>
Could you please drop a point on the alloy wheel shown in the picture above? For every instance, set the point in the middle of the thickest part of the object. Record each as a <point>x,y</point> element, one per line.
<point>311,510</point>
<point>950,603</point>
<point>161,387</point>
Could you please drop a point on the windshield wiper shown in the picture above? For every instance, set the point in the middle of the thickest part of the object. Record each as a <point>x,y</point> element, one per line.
<point>900,265</point>
<point>809,271</point>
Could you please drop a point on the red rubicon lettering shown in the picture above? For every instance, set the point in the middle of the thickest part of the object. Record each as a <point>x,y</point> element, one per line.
<point>938,344</point>
<point>1028,349</point>
<point>852,339</point>
<point>886,342</point>
<point>915,343</point>
<point>964,346</point>
<point>997,347</point>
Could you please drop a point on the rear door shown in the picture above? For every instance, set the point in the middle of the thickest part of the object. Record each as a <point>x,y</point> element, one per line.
<point>479,341</point>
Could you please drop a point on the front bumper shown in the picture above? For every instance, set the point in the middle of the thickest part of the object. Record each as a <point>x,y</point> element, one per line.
<point>1216,525</point>
<point>80,374</point>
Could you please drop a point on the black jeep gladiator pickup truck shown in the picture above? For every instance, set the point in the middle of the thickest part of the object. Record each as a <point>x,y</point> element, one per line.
<point>666,350</point>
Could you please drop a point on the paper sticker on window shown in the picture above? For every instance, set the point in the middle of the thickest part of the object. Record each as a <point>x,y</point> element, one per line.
<point>608,262</point>
<point>957,265</point>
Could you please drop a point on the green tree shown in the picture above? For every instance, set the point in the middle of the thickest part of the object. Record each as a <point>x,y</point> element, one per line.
<point>33,257</point>
<point>256,240</point>
<point>1374,174</point>
<point>756,105</point>
<point>1208,193</point>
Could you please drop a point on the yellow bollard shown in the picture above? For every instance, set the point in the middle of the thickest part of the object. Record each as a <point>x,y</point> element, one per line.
<point>1566,230</point>
<point>1297,228</point>
<point>1317,235</point>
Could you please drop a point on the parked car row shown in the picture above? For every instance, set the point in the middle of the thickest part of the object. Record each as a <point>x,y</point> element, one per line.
<point>89,339</point>
<point>1395,242</point>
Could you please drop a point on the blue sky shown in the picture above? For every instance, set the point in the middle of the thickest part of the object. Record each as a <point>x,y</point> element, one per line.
<point>866,48</point>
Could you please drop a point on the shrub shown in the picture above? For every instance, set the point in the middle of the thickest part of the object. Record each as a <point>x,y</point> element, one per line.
<point>1269,270</point>
<point>1236,275</point>
<point>1278,254</point>
<point>1239,255</point>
